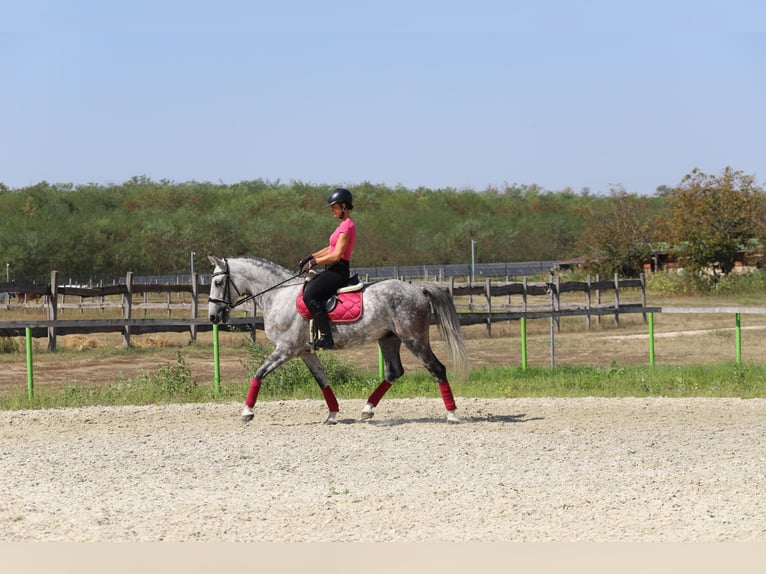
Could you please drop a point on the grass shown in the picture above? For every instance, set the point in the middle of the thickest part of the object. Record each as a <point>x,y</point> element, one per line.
<point>175,384</point>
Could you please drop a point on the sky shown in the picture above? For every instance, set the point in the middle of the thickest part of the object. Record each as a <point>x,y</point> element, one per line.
<point>438,94</point>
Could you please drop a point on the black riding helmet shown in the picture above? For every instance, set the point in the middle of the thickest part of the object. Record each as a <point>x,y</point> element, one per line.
<point>341,195</point>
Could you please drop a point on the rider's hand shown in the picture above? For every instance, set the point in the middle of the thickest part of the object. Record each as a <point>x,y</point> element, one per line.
<point>307,263</point>
<point>305,260</point>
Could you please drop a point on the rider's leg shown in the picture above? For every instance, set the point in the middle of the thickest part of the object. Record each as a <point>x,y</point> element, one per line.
<point>322,322</point>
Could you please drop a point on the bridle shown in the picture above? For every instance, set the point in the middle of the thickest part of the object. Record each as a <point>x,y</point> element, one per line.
<point>227,298</point>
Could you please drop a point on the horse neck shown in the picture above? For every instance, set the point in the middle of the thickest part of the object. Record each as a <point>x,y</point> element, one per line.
<point>253,275</point>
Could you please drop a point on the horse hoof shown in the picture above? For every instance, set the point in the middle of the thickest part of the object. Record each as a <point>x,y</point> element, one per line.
<point>452,418</point>
<point>331,419</point>
<point>367,412</point>
<point>247,414</point>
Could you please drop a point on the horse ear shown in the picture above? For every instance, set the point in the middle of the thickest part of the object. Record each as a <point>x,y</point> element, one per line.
<point>215,261</point>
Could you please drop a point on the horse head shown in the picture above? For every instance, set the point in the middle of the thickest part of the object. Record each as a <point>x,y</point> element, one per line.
<point>219,300</point>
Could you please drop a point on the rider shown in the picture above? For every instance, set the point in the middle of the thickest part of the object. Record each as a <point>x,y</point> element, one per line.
<point>337,257</point>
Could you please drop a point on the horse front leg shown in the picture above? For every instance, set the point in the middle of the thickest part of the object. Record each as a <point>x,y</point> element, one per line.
<point>277,358</point>
<point>316,369</point>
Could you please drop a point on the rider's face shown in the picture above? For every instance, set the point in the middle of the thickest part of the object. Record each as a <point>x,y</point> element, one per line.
<point>337,210</point>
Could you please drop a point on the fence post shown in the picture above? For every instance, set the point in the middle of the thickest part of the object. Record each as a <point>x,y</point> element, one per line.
<point>552,322</point>
<point>642,277</point>
<point>557,284</point>
<point>737,321</point>
<point>598,299</point>
<point>216,361</point>
<point>651,339</point>
<point>53,310</point>
<point>127,308</point>
<point>194,303</point>
<point>524,295</point>
<point>616,299</point>
<point>488,292</point>
<point>523,343</point>
<point>30,370</point>
<point>588,304</point>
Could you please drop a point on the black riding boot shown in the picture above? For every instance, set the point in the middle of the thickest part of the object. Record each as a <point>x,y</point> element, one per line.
<point>321,326</point>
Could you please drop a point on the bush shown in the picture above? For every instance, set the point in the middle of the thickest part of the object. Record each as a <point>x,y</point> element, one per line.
<point>696,284</point>
<point>8,345</point>
<point>169,382</point>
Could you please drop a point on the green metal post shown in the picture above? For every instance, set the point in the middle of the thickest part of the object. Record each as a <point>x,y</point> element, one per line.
<point>30,372</point>
<point>381,365</point>
<point>524,343</point>
<point>651,338</point>
<point>216,360</point>
<point>739,339</point>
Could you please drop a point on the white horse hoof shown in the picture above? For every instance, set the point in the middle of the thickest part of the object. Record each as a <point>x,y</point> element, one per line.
<point>247,414</point>
<point>367,412</point>
<point>331,419</point>
<point>452,418</point>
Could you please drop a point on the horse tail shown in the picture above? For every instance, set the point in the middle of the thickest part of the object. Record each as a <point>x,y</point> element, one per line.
<point>449,326</point>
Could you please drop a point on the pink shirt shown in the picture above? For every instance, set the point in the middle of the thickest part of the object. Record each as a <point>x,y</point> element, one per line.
<point>348,227</point>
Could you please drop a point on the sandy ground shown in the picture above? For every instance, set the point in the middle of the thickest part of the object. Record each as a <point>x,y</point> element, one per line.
<point>516,470</point>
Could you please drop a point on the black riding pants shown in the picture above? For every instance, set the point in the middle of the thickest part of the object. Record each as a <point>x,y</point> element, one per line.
<point>324,285</point>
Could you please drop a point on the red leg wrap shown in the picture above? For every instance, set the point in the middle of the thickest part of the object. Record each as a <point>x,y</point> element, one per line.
<point>252,394</point>
<point>449,400</point>
<point>329,397</point>
<point>378,393</point>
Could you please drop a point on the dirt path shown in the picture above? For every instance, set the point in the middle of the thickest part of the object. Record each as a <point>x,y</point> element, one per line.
<point>515,470</point>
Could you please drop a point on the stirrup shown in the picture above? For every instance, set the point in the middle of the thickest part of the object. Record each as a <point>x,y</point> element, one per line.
<point>322,343</point>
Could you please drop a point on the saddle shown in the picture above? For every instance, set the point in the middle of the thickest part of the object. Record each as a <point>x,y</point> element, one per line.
<point>345,306</point>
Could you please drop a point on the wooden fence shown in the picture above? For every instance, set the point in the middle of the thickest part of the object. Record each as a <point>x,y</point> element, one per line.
<point>493,301</point>
<point>480,303</point>
<point>477,303</point>
<point>134,301</point>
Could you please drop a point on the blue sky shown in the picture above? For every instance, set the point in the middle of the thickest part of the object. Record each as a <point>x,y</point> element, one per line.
<point>434,94</point>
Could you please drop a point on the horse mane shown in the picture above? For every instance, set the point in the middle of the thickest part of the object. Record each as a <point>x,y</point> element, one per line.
<point>260,261</point>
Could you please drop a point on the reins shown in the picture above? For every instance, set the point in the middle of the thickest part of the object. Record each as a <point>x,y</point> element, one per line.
<point>226,293</point>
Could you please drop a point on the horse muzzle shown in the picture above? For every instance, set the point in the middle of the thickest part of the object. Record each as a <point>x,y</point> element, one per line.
<point>218,313</point>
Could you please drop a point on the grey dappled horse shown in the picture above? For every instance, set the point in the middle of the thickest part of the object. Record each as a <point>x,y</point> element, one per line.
<point>395,312</point>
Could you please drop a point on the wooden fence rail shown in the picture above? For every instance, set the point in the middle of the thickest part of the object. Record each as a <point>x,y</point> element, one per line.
<point>495,303</point>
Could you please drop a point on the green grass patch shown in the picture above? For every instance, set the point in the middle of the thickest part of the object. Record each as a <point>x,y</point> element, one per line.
<point>725,380</point>
<point>174,384</point>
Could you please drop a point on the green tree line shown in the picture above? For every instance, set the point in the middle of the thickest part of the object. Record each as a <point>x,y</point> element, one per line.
<point>99,232</point>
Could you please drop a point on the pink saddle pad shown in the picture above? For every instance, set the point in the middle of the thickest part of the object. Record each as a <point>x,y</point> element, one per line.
<point>347,310</point>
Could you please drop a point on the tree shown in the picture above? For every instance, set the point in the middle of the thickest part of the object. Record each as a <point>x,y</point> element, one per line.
<point>618,236</point>
<point>713,217</point>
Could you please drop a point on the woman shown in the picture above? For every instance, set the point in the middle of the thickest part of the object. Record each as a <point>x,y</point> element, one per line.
<point>337,257</point>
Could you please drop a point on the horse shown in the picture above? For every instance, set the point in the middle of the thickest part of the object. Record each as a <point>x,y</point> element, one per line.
<point>395,313</point>
<point>25,297</point>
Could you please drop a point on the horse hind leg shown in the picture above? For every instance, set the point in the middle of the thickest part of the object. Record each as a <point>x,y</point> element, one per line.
<point>438,371</point>
<point>389,347</point>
